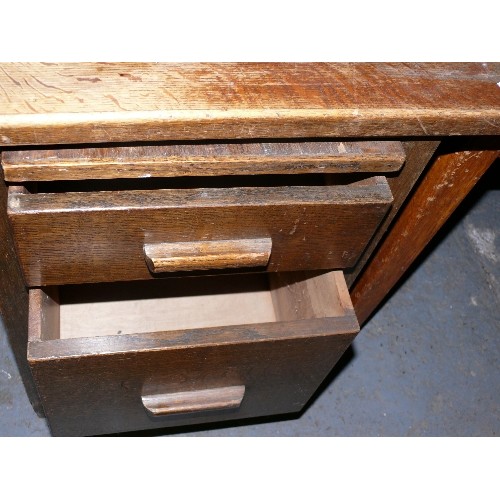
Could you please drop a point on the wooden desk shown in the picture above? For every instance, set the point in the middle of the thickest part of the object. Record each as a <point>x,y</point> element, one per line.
<point>422,105</point>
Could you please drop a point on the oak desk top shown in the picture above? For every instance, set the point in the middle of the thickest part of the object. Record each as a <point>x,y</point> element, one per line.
<point>57,103</point>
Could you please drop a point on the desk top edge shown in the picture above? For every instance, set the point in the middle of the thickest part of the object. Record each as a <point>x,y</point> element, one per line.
<point>51,103</point>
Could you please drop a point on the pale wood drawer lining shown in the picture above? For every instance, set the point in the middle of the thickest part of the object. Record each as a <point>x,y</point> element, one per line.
<point>182,304</point>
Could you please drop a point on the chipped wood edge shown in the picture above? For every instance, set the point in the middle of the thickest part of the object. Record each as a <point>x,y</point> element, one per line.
<point>206,255</point>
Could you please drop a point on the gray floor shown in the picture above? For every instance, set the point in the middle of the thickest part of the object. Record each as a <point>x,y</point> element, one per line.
<point>427,364</point>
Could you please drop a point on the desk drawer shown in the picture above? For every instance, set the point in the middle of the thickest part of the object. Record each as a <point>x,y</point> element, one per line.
<point>202,159</point>
<point>78,237</point>
<point>112,358</point>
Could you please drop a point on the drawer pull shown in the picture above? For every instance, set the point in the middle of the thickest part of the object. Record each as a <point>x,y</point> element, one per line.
<point>221,398</point>
<point>205,255</point>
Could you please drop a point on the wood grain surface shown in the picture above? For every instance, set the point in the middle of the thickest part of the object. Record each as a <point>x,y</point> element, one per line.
<point>100,236</point>
<point>221,398</point>
<point>300,295</point>
<point>169,304</point>
<point>76,103</point>
<point>95,385</point>
<point>418,155</point>
<point>445,185</point>
<point>202,159</point>
<point>14,300</point>
<point>205,255</point>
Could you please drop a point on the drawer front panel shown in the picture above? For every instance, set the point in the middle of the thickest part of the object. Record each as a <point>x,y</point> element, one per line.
<point>100,394</point>
<point>98,384</point>
<point>100,236</point>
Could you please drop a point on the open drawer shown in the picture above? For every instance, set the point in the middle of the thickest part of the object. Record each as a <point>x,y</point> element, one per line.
<point>137,234</point>
<point>113,357</point>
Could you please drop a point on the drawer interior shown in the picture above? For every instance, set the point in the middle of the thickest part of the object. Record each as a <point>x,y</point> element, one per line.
<point>109,309</point>
<point>170,304</point>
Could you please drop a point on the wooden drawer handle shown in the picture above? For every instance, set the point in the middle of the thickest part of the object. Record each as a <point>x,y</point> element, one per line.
<point>221,398</point>
<point>204,255</point>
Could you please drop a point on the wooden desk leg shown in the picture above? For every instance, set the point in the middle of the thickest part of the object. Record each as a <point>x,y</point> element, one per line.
<point>14,301</point>
<point>443,187</point>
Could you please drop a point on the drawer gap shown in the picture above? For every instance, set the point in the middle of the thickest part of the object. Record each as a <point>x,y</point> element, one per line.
<point>181,183</point>
<point>96,310</point>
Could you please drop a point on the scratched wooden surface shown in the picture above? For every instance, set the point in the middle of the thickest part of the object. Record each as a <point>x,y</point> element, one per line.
<point>205,255</point>
<point>14,300</point>
<point>418,155</point>
<point>61,103</point>
<point>280,363</point>
<point>100,236</point>
<point>202,159</point>
<point>450,178</point>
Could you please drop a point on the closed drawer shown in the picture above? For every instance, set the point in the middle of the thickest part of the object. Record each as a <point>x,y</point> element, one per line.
<point>202,159</point>
<point>111,358</point>
<point>78,237</point>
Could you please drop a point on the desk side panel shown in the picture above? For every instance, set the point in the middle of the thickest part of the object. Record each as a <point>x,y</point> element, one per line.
<point>14,300</point>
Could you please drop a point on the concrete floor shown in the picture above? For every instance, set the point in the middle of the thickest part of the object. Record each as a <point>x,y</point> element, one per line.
<point>426,364</point>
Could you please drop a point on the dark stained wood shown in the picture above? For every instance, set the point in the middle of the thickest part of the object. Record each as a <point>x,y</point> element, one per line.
<point>44,326</point>
<point>14,301</point>
<point>418,155</point>
<point>117,102</point>
<point>94,385</point>
<point>101,394</point>
<point>99,236</point>
<point>206,159</point>
<point>445,185</point>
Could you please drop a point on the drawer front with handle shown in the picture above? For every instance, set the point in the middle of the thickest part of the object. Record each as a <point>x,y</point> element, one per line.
<point>78,237</point>
<point>254,348</point>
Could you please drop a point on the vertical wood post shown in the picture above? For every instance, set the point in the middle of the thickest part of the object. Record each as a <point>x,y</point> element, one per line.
<point>446,183</point>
